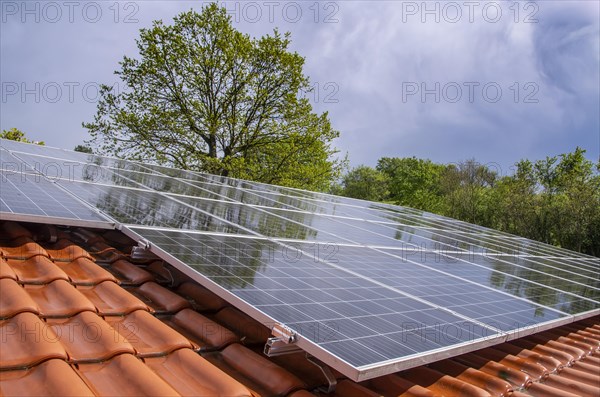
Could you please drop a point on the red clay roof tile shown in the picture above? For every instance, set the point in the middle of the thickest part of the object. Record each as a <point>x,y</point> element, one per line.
<point>83,271</point>
<point>88,338</point>
<point>301,393</point>
<point>13,230</point>
<point>263,376</point>
<point>581,376</point>
<point>128,273</point>
<point>570,385</point>
<point>191,375</point>
<point>14,299</point>
<point>160,299</point>
<point>59,299</point>
<point>347,388</point>
<point>536,371</point>
<point>542,390</point>
<point>6,271</point>
<point>166,274</point>
<point>50,378</point>
<point>111,300</point>
<point>26,341</point>
<point>392,385</point>
<point>65,251</point>
<point>36,270</point>
<point>300,366</point>
<point>22,248</point>
<point>550,363</point>
<point>201,299</point>
<point>565,358</point>
<point>123,375</point>
<point>442,384</point>
<point>205,333</point>
<point>493,385</point>
<point>515,377</point>
<point>147,334</point>
<point>250,330</point>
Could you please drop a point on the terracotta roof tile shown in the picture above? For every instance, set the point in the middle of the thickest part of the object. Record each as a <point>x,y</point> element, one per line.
<point>550,363</point>
<point>14,299</point>
<point>536,371</point>
<point>591,379</point>
<point>301,393</point>
<point>515,377</point>
<point>201,299</point>
<point>6,271</point>
<point>147,334</point>
<point>66,251</point>
<point>202,331</point>
<point>348,388</point>
<point>442,384</point>
<point>392,385</point>
<point>36,270</point>
<point>123,375</point>
<point>50,378</point>
<point>570,385</point>
<point>22,248</point>
<point>58,299</point>
<point>191,375</point>
<point>88,338</point>
<point>493,385</point>
<point>129,274</point>
<point>160,299</point>
<point>250,330</point>
<point>255,372</point>
<point>563,357</point>
<point>166,274</point>
<point>13,230</point>
<point>112,300</point>
<point>542,390</point>
<point>300,366</point>
<point>83,271</point>
<point>26,341</point>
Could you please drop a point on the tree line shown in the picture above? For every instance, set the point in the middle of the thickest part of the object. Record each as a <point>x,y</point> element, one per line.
<point>555,200</point>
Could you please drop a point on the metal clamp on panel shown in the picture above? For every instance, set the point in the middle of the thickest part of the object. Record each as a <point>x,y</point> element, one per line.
<point>142,251</point>
<point>282,342</point>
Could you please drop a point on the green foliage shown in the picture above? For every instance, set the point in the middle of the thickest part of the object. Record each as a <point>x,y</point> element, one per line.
<point>555,200</point>
<point>15,134</point>
<point>83,149</point>
<point>413,182</point>
<point>365,183</point>
<point>203,96</point>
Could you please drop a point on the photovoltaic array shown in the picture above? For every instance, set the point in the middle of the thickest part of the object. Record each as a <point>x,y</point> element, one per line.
<point>368,288</point>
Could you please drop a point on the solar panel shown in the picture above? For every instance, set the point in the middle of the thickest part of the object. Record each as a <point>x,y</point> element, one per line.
<point>368,288</point>
<point>331,307</point>
<point>30,197</point>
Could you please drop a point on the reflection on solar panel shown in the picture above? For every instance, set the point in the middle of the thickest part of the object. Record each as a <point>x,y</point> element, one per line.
<point>368,288</point>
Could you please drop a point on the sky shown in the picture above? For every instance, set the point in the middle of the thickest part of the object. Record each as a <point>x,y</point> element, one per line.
<point>497,81</point>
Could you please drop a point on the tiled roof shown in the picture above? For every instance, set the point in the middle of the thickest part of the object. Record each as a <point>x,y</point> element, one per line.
<point>79,318</point>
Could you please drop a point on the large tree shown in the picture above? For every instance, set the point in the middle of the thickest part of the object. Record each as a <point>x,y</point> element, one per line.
<point>203,96</point>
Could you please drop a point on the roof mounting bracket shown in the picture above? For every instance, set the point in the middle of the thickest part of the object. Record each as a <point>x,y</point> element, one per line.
<point>282,343</point>
<point>144,244</point>
<point>331,379</point>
